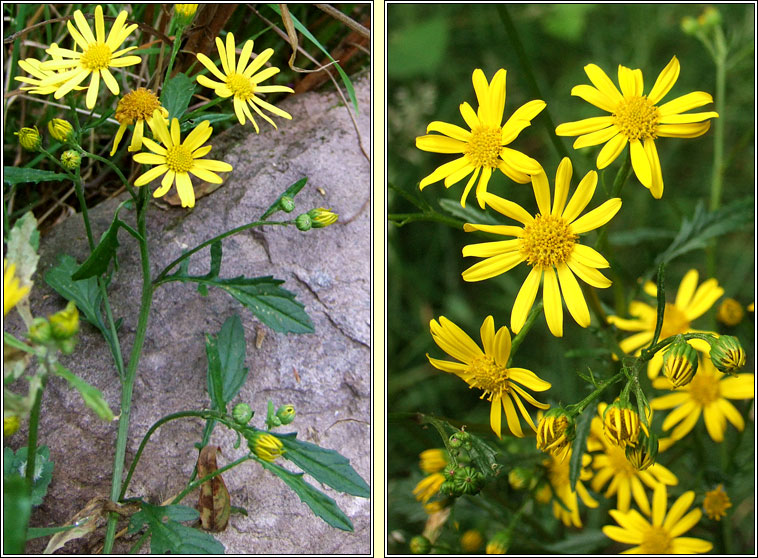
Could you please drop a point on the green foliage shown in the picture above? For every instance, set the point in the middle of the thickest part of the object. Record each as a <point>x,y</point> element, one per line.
<point>15,464</point>
<point>291,192</point>
<point>176,95</point>
<point>17,508</point>
<point>325,465</point>
<point>104,252</point>
<point>319,503</point>
<point>226,362</point>
<point>20,175</point>
<point>168,535</point>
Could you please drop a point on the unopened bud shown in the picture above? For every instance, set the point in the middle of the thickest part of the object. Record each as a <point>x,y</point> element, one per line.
<point>242,413</point>
<point>555,432</point>
<point>29,138</point>
<point>303,222</point>
<point>60,130</point>
<point>621,424</point>
<point>287,204</point>
<point>286,414</point>
<point>40,331</point>
<point>265,446</point>
<point>644,454</point>
<point>420,545</point>
<point>65,324</point>
<point>680,363</point>
<point>499,543</point>
<point>71,159</point>
<point>11,425</point>
<point>321,217</point>
<point>727,354</point>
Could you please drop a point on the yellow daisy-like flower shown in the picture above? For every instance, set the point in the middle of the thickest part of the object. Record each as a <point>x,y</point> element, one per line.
<point>98,55</point>
<point>708,393</point>
<point>484,146</point>
<point>486,370</point>
<point>548,243</point>
<point>636,119</point>
<point>13,292</point>
<point>558,474</point>
<point>266,446</point>
<point>33,67</point>
<point>660,534</point>
<point>611,464</point>
<point>136,107</point>
<point>433,460</point>
<point>716,503</point>
<point>691,302</point>
<point>241,80</point>
<point>428,487</point>
<point>177,159</point>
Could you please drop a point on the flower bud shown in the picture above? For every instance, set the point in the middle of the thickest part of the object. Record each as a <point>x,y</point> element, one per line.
<point>67,346</point>
<point>40,331</point>
<point>65,324</point>
<point>286,204</point>
<point>519,478</point>
<point>689,25</point>
<point>286,414</point>
<point>727,354</point>
<point>242,413</point>
<point>449,488</point>
<point>680,363</point>
<point>184,13</point>
<point>555,432</point>
<point>644,454</point>
<point>499,543</point>
<point>730,312</point>
<point>468,480</point>
<point>621,424</point>
<point>321,217</point>
<point>265,446</point>
<point>544,493</point>
<point>71,159</point>
<point>420,545</point>
<point>29,138</point>
<point>11,425</point>
<point>61,130</point>
<point>711,17</point>
<point>303,222</point>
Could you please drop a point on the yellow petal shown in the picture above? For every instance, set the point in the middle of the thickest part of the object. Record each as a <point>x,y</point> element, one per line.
<point>525,299</point>
<point>572,293</point>
<point>611,150</point>
<point>597,217</point>
<point>551,296</point>
<point>666,80</point>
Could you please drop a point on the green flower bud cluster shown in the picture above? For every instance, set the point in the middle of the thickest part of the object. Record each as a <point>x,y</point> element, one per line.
<point>285,414</point>
<point>315,219</point>
<point>58,330</point>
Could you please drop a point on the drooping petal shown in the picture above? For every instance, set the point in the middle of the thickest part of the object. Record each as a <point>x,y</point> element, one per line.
<point>495,416</point>
<point>685,103</point>
<point>185,190</point>
<point>656,189</point>
<point>92,91</point>
<point>205,61</point>
<point>683,130</point>
<point>587,274</point>
<point>520,162</point>
<point>508,208</point>
<point>150,175</point>
<point>443,171</point>
<point>641,164</point>
<point>511,417</point>
<point>589,256</point>
<point>594,97</point>
<point>688,118</point>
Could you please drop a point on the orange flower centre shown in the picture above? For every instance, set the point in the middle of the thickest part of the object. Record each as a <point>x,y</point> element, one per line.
<point>137,105</point>
<point>547,241</point>
<point>179,159</point>
<point>484,146</point>
<point>716,503</point>
<point>96,57</point>
<point>241,86</point>
<point>637,118</point>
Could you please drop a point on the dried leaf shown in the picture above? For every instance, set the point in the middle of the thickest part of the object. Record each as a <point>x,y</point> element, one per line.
<point>214,504</point>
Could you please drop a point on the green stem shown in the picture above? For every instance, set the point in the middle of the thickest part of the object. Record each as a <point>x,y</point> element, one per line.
<point>31,446</point>
<point>718,124</point>
<point>661,308</point>
<point>577,408</point>
<point>193,485</point>
<point>622,177</point>
<point>161,278</point>
<point>174,51</point>
<point>114,168</point>
<point>648,353</point>
<point>131,370</point>
<point>401,219</point>
<point>533,313</point>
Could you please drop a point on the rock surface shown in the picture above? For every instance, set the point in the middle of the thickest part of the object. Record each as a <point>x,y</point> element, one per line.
<point>326,375</point>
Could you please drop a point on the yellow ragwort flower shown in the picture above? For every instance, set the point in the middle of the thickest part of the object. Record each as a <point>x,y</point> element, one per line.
<point>433,460</point>
<point>621,424</point>
<point>177,159</point>
<point>136,107</point>
<point>548,243</point>
<point>13,292</point>
<point>611,464</point>
<point>486,370</point>
<point>241,81</point>
<point>428,487</point>
<point>661,533</point>
<point>730,312</point>
<point>483,148</point>
<point>560,483</point>
<point>691,302</point>
<point>266,446</point>
<point>555,432</point>
<point>98,55</point>
<point>716,503</point>
<point>39,75</point>
<point>708,393</point>
<point>471,540</point>
<point>636,119</point>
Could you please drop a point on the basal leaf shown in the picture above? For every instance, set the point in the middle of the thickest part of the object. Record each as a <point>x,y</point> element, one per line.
<point>92,396</point>
<point>15,464</point>
<point>18,175</point>
<point>319,503</point>
<point>176,95</point>
<point>325,465</point>
<point>168,536</point>
<point>232,349</point>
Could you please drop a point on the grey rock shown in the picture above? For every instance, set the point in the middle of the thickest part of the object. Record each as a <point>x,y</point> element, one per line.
<point>326,375</point>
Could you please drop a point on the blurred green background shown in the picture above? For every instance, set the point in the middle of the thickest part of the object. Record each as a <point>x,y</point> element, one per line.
<point>432,52</point>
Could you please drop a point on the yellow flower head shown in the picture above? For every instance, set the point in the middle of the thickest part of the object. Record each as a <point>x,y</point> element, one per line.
<point>29,138</point>
<point>730,312</point>
<point>708,393</point>
<point>321,217</point>
<point>11,425</point>
<point>486,370</point>
<point>716,503</point>
<point>60,129</point>
<point>98,55</point>
<point>428,487</point>
<point>433,460</point>
<point>636,119</point>
<point>266,446</point>
<point>499,543</point>
<point>471,540</point>
<point>241,81</point>
<point>548,243</point>
<point>691,302</point>
<point>178,159</point>
<point>13,292</point>
<point>558,474</point>
<point>623,478</point>
<point>660,533</point>
<point>621,425</point>
<point>136,107</point>
<point>39,75</point>
<point>555,432</point>
<point>483,148</point>
<point>185,10</point>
